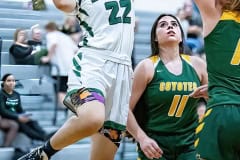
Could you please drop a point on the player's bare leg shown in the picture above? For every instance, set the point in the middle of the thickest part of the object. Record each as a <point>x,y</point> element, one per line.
<point>102,148</point>
<point>89,120</point>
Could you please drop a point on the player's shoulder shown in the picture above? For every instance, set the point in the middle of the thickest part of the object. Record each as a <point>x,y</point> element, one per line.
<point>197,61</point>
<point>193,60</point>
<point>144,69</point>
<point>149,62</point>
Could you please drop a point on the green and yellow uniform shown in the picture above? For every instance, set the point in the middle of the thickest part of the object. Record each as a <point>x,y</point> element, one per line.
<point>171,116</point>
<point>217,135</point>
<point>222,48</point>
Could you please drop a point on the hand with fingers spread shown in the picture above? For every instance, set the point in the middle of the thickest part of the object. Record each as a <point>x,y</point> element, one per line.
<point>200,92</point>
<point>150,148</point>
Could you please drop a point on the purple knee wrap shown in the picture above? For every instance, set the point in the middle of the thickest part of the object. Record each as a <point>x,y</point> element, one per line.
<point>87,96</point>
<point>98,97</point>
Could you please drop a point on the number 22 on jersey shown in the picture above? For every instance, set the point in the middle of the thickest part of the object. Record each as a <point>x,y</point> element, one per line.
<point>115,6</point>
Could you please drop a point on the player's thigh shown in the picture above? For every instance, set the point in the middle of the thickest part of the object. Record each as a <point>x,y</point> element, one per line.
<point>102,148</point>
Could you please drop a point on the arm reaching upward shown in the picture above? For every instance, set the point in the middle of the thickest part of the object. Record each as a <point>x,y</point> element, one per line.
<point>205,5</point>
<point>210,11</point>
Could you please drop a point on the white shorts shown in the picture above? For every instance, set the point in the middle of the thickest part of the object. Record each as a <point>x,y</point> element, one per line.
<point>113,80</point>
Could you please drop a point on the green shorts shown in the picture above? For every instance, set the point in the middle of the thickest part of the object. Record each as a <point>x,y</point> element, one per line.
<point>175,147</point>
<point>217,136</point>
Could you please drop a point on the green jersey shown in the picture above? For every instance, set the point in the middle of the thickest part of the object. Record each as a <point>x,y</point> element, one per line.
<point>169,109</point>
<point>222,47</point>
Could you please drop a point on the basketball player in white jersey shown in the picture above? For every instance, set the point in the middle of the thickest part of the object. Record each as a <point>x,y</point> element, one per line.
<point>99,83</point>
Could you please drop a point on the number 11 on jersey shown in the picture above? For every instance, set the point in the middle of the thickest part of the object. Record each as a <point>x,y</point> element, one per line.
<point>178,104</point>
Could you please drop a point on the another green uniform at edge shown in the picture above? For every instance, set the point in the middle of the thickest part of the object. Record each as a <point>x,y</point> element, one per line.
<point>218,134</point>
<point>223,61</point>
<point>171,116</point>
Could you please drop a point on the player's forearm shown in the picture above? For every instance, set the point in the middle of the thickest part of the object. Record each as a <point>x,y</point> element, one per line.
<point>65,5</point>
<point>133,127</point>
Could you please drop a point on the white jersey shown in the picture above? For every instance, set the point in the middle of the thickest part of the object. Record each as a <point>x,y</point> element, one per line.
<point>107,25</point>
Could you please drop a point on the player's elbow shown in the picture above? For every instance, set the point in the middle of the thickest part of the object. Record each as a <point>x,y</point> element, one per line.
<point>64,5</point>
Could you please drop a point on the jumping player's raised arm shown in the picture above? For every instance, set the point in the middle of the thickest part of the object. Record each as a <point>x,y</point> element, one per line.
<point>205,5</point>
<point>210,11</point>
<point>65,5</point>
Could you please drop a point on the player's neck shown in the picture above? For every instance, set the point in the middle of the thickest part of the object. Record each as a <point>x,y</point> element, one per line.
<point>169,53</point>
